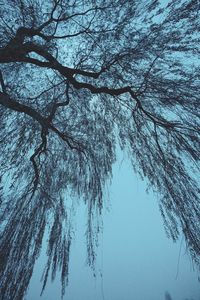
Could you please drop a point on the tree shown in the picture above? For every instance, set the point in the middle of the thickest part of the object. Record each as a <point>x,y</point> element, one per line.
<point>77,79</point>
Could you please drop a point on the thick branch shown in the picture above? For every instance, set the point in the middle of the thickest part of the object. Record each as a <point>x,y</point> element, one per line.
<point>69,74</point>
<point>7,102</point>
<point>2,83</point>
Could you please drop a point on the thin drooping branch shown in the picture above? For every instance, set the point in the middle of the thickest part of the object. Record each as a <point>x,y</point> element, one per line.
<point>90,76</point>
<point>41,149</point>
<point>46,123</point>
<point>65,17</point>
<point>56,105</point>
<point>70,73</point>
<point>20,54</point>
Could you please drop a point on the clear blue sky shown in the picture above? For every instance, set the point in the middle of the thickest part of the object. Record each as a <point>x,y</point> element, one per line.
<point>135,257</point>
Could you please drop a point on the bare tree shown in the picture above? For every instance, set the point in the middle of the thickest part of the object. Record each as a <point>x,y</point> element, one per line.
<point>78,78</point>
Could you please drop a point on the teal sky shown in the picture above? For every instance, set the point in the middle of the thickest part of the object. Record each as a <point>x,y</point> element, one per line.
<point>136,259</point>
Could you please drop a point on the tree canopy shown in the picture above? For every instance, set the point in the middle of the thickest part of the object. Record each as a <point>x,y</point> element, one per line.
<point>77,80</point>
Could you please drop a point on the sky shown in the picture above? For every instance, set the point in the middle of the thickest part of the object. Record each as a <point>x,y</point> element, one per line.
<point>135,259</point>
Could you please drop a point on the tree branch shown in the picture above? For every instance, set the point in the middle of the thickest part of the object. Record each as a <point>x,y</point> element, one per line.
<point>2,83</point>
<point>7,102</point>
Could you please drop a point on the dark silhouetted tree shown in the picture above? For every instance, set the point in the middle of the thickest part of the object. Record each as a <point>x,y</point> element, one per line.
<point>77,79</point>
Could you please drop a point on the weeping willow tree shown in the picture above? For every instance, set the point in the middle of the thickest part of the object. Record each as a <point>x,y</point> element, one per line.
<point>77,79</point>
